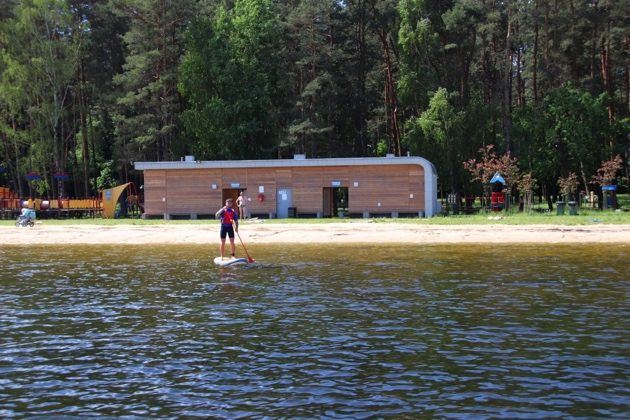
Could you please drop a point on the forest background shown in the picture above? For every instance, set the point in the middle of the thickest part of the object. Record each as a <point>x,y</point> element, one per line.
<point>541,87</point>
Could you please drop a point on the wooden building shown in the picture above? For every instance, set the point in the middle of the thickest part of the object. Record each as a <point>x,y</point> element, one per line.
<point>300,187</point>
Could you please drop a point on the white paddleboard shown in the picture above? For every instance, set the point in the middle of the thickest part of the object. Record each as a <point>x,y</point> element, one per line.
<point>226,262</point>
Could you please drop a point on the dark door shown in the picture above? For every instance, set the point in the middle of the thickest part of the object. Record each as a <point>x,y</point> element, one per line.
<point>328,208</point>
<point>230,193</point>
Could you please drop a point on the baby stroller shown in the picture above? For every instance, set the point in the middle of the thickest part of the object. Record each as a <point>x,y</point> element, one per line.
<point>27,218</point>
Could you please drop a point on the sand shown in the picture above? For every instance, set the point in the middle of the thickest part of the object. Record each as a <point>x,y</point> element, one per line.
<point>260,232</point>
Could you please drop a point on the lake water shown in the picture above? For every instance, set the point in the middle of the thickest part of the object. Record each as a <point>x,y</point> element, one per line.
<point>325,331</point>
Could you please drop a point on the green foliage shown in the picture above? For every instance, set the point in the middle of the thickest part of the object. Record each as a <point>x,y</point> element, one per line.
<point>568,132</point>
<point>38,62</point>
<point>437,134</point>
<point>84,83</point>
<point>381,148</point>
<point>228,76</point>
<point>148,106</point>
<point>107,178</point>
<point>578,122</point>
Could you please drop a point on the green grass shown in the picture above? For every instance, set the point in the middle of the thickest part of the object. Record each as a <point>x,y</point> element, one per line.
<point>584,217</point>
<point>624,201</point>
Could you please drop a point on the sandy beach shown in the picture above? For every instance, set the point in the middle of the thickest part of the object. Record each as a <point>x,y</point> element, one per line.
<point>259,232</point>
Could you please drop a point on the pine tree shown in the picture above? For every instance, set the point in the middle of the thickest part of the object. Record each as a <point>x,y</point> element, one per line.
<point>149,105</point>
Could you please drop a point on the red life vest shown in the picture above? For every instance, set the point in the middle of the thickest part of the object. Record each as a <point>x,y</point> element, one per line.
<point>228,216</point>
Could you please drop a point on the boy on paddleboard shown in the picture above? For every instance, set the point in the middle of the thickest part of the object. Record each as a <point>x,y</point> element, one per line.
<point>229,222</point>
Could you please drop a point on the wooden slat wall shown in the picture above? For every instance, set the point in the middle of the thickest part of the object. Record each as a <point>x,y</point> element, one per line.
<point>308,196</point>
<point>190,191</point>
<point>257,177</point>
<point>284,178</point>
<point>390,186</point>
<point>334,173</point>
<point>154,190</point>
<point>416,187</point>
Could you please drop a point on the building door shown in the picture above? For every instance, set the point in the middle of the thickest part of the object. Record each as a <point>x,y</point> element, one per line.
<point>329,202</point>
<point>335,202</point>
<point>284,201</point>
<point>230,193</point>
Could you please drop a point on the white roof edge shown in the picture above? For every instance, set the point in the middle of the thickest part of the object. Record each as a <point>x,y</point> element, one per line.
<point>282,163</point>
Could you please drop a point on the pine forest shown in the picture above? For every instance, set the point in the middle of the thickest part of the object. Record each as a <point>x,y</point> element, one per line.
<point>538,89</point>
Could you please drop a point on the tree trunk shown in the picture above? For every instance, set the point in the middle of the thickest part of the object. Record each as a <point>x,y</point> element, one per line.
<point>15,173</point>
<point>608,81</point>
<point>84,133</point>
<point>626,79</point>
<point>535,56</point>
<point>361,113</point>
<point>391,101</point>
<point>93,156</point>
<point>520,84</point>
<point>507,85</point>
<point>584,177</point>
<point>607,74</point>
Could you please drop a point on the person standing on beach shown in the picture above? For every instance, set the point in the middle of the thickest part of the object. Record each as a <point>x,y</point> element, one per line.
<point>241,203</point>
<point>229,223</point>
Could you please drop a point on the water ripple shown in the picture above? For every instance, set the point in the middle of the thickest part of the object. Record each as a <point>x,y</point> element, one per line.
<point>440,331</point>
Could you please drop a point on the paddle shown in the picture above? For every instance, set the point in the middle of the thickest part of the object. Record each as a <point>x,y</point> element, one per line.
<point>249,258</point>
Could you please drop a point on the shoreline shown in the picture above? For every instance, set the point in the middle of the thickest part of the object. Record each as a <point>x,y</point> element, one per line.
<point>340,233</point>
